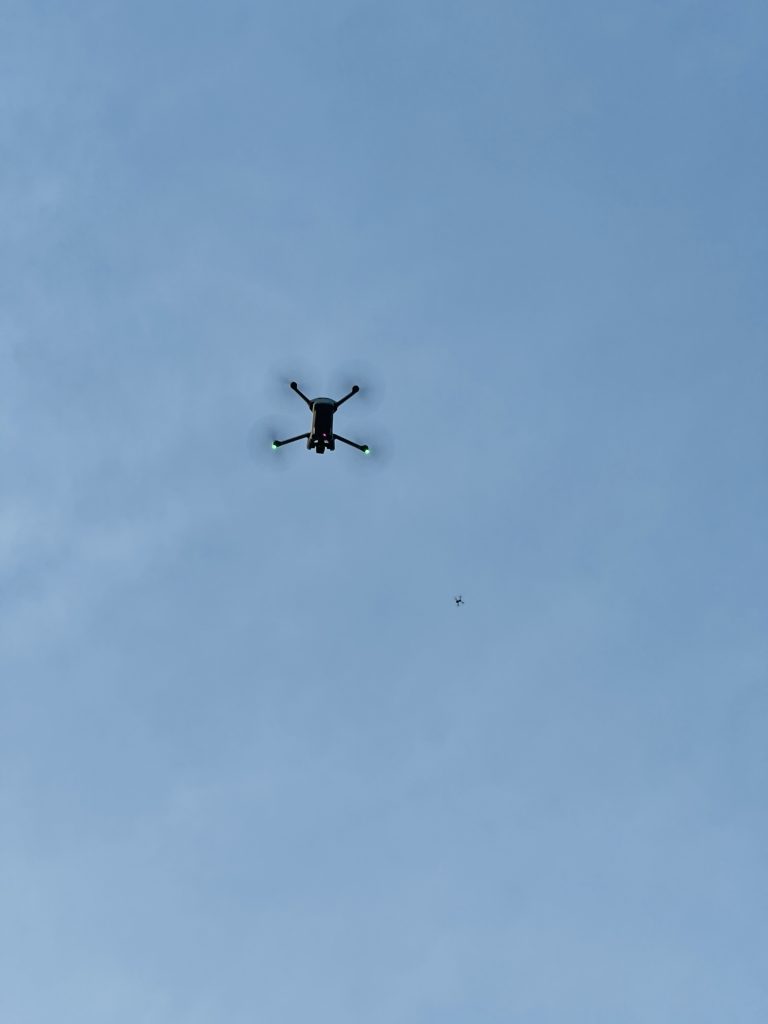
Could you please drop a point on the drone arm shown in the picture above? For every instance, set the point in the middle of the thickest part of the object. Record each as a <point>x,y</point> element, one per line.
<point>341,401</point>
<point>289,440</point>
<point>360,447</point>
<point>295,387</point>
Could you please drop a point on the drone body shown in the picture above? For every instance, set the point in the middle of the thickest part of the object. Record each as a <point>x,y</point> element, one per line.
<point>321,437</point>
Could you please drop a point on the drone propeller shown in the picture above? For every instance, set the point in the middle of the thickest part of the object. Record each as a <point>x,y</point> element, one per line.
<point>261,436</point>
<point>369,389</point>
<point>334,378</point>
<point>279,377</point>
<point>378,454</point>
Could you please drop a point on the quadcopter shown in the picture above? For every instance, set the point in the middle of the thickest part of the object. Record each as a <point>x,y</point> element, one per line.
<point>321,436</point>
<point>458,600</point>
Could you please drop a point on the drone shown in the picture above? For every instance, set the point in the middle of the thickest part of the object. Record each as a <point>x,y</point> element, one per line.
<point>321,437</point>
<point>458,600</point>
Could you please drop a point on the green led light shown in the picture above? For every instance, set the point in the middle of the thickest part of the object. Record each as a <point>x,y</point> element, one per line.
<point>366,451</point>
<point>275,446</point>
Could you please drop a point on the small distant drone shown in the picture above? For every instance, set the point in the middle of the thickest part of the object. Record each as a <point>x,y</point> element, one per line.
<point>458,600</point>
<point>321,436</point>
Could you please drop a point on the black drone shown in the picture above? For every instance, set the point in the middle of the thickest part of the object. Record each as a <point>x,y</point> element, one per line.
<point>458,600</point>
<point>321,436</point>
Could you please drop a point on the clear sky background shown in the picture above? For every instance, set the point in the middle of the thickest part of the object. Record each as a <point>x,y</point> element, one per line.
<point>254,764</point>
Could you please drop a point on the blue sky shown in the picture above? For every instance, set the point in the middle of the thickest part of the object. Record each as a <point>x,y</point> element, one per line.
<point>254,764</point>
